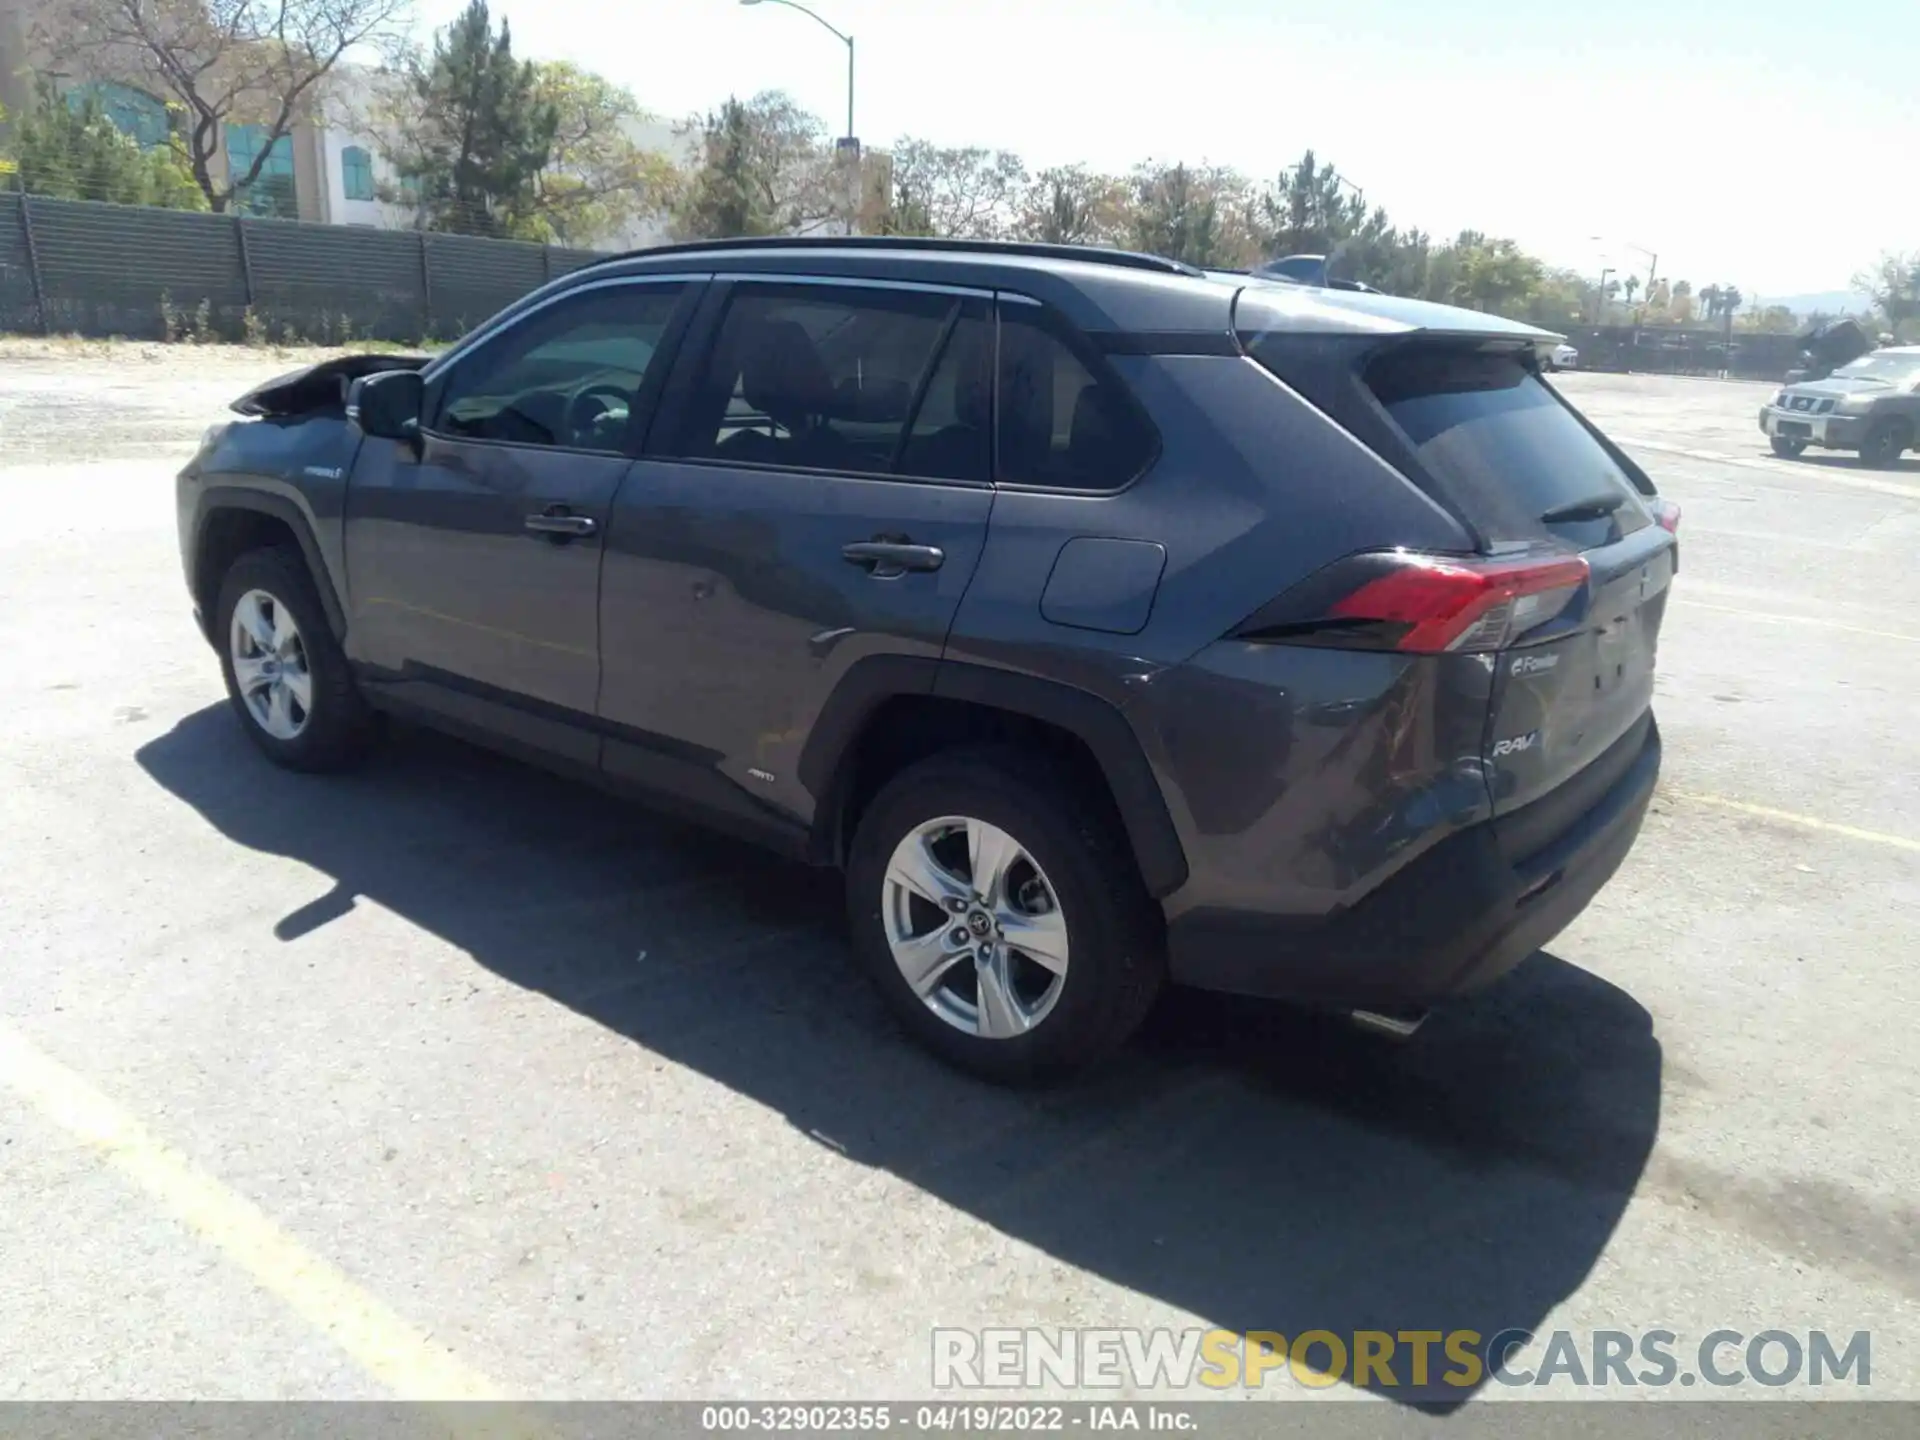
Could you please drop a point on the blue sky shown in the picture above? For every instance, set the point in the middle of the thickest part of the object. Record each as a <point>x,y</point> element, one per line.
<point>1765,143</point>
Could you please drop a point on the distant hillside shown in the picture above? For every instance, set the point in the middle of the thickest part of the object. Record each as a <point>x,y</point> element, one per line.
<point>1827,302</point>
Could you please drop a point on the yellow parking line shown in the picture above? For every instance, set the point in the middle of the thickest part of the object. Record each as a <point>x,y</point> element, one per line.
<point>1805,822</point>
<point>1768,617</point>
<point>388,1347</point>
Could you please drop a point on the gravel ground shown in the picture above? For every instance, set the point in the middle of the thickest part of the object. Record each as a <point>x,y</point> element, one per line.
<point>451,1078</point>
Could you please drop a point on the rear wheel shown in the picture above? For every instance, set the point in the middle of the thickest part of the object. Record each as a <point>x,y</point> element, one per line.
<point>1788,449</point>
<point>286,675</point>
<point>1008,930</point>
<point>1881,449</point>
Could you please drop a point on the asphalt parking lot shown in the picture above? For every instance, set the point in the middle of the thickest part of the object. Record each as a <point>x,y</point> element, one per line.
<point>448,1078</point>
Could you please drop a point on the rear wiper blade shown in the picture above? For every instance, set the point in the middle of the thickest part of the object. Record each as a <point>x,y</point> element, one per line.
<point>1591,507</point>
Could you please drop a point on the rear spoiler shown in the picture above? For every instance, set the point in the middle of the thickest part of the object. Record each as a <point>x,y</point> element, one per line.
<point>318,387</point>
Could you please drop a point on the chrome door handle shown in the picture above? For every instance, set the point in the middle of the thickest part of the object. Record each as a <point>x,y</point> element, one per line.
<point>886,559</point>
<point>563,525</point>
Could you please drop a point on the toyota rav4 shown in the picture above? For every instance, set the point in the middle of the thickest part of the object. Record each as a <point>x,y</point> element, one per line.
<point>1106,622</point>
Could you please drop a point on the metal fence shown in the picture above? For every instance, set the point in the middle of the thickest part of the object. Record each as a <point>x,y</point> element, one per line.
<point>80,267</point>
<point>1661,351</point>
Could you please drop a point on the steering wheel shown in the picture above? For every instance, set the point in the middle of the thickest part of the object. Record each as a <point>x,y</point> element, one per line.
<point>592,405</point>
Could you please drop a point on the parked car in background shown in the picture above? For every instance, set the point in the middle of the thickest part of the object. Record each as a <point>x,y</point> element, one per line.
<point>1103,621</point>
<point>1560,357</point>
<point>1871,405</point>
<point>1317,270</point>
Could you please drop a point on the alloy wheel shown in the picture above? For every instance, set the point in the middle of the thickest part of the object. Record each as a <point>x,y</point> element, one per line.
<point>975,927</point>
<point>270,667</point>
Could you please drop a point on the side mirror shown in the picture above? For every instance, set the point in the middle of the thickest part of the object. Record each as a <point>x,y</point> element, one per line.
<point>388,404</point>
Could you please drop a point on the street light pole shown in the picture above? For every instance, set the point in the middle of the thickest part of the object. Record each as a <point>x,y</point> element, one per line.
<point>1600,308</point>
<point>1653,260</point>
<point>838,34</point>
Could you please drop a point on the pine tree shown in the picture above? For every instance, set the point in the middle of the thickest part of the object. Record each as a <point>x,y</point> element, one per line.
<point>722,199</point>
<point>481,133</point>
<point>763,171</point>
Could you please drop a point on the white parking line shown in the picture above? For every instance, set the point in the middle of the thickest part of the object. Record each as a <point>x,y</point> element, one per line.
<point>1780,469</point>
<point>1771,618</point>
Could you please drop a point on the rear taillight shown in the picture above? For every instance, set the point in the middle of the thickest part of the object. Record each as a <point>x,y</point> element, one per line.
<point>1425,604</point>
<point>1667,514</point>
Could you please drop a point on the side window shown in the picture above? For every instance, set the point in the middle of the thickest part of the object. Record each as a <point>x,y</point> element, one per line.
<point>565,377</point>
<point>827,377</point>
<point>1063,422</point>
<point>951,437</point>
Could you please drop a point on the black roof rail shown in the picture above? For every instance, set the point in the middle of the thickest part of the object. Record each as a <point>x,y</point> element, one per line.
<point>1091,254</point>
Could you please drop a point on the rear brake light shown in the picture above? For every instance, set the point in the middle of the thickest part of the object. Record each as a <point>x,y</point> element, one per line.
<point>1667,514</point>
<point>1425,604</point>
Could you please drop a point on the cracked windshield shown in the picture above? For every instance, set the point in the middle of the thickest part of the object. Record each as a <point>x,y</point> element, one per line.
<point>1093,715</point>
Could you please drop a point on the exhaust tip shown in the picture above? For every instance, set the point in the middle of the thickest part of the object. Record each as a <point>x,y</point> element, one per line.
<point>1394,1024</point>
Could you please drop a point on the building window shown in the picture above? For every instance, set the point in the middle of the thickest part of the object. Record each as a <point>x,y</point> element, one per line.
<point>132,112</point>
<point>356,173</point>
<point>271,193</point>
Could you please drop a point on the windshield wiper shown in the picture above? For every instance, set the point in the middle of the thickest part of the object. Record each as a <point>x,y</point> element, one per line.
<point>1591,507</point>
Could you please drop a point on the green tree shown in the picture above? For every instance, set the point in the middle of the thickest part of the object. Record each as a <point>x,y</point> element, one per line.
<point>1308,213</point>
<point>1072,205</point>
<point>968,193</point>
<point>596,181</point>
<point>1558,300</point>
<point>473,132</point>
<point>764,169</point>
<point>1893,283</point>
<point>73,152</point>
<point>1491,275</point>
<point>1195,214</point>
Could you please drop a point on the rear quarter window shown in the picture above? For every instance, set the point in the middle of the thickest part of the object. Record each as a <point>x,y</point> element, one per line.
<point>1503,446</point>
<point>1065,420</point>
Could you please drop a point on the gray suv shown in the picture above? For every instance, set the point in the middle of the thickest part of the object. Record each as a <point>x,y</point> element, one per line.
<point>1870,405</point>
<point>1106,622</point>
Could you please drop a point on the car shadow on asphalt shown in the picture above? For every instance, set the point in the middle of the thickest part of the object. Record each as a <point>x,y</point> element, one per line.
<point>1260,1169</point>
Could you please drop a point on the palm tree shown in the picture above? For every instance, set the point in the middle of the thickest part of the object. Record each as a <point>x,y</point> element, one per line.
<point>1632,283</point>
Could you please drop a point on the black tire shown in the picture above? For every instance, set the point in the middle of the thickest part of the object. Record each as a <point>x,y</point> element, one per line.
<point>1116,934</point>
<point>1788,449</point>
<point>340,726</point>
<point>1881,449</point>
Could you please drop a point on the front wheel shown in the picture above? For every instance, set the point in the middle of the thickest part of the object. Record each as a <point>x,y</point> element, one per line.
<point>1788,449</point>
<point>1006,927</point>
<point>286,675</point>
<point>1881,449</point>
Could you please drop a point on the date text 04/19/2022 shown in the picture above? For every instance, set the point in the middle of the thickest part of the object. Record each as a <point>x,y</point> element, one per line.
<point>984,1419</point>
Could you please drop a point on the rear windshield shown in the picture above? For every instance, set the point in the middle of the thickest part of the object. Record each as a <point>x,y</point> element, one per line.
<point>1502,445</point>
